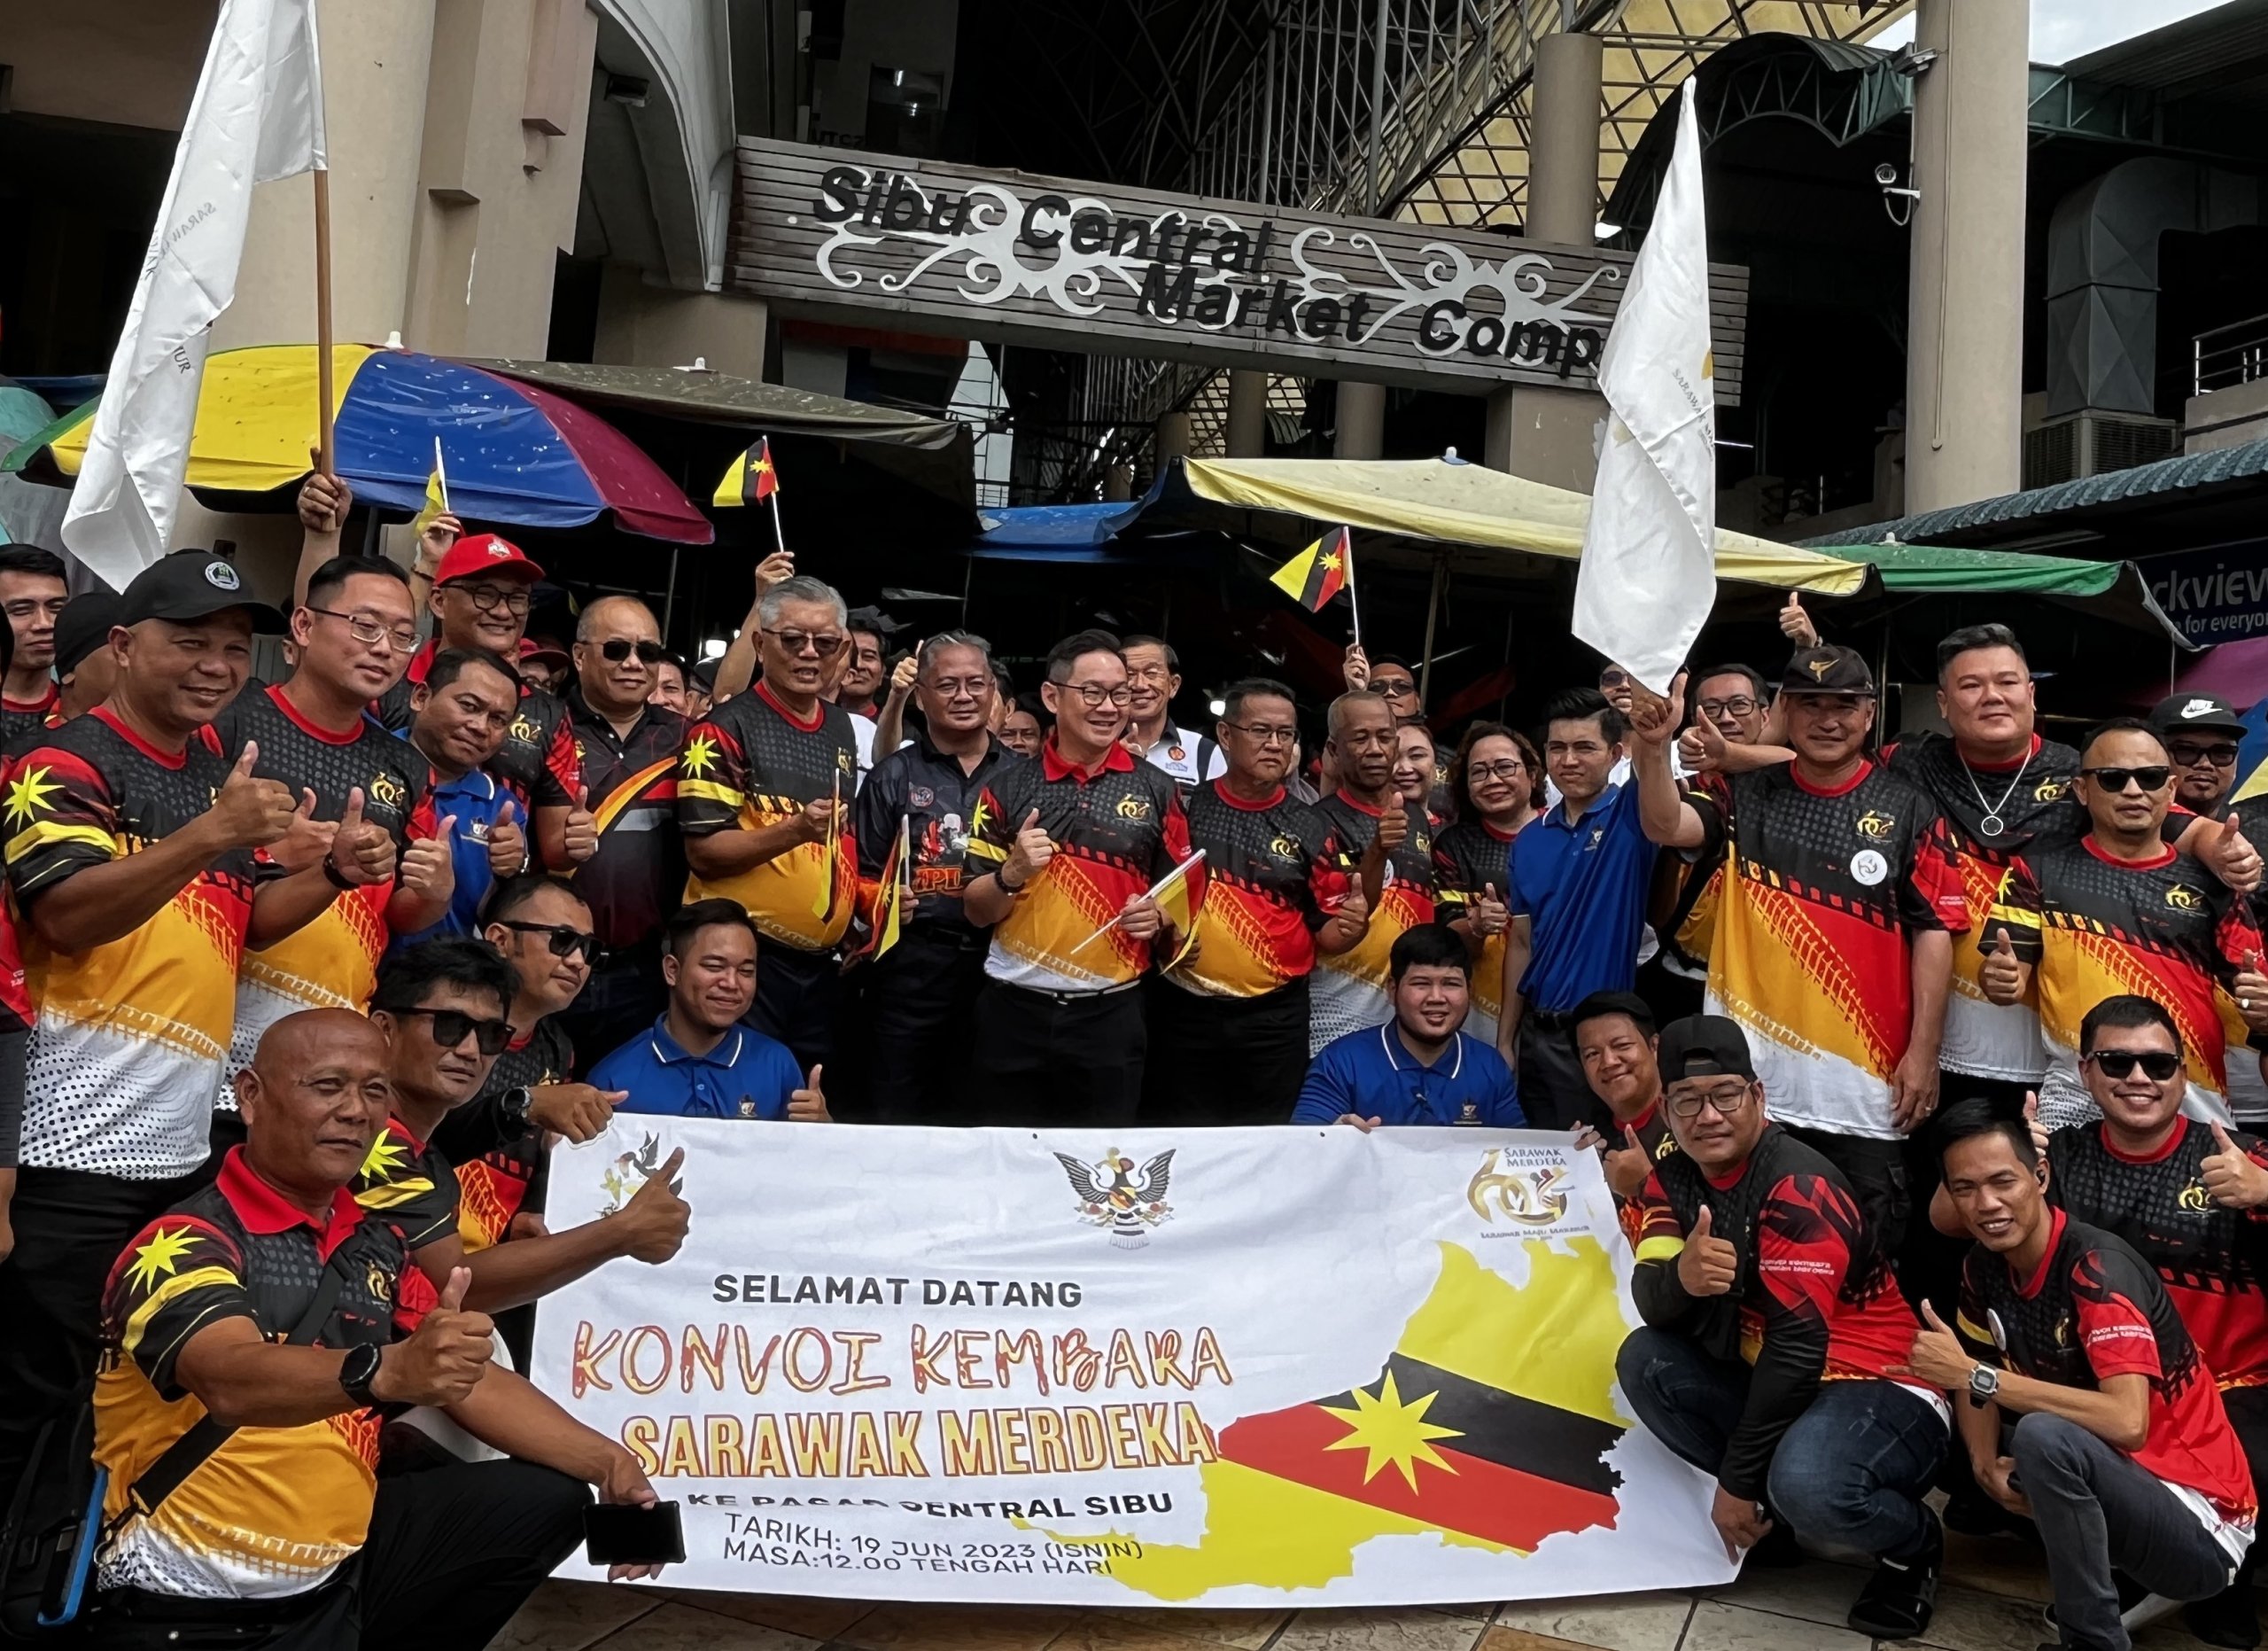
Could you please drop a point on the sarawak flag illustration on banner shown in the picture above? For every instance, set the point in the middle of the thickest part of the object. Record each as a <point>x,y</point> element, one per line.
<point>750,480</point>
<point>1318,572</point>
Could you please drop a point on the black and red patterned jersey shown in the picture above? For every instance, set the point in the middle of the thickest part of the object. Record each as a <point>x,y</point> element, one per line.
<point>332,961</point>
<point>1656,1141</point>
<point>127,1050</point>
<point>2214,1260</point>
<point>1813,951</point>
<point>1351,989</point>
<point>274,1510</point>
<point>752,763</point>
<point>1470,858</point>
<point>2030,802</point>
<point>20,716</point>
<point>501,1166</point>
<point>1271,881</point>
<point>920,784</point>
<point>634,880</point>
<point>2094,1310</point>
<point>2165,929</point>
<point>408,1184</point>
<point>1117,829</point>
<point>536,759</point>
<point>1813,1300</point>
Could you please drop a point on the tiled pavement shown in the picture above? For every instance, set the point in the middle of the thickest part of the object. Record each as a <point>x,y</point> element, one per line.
<point>1990,1602</point>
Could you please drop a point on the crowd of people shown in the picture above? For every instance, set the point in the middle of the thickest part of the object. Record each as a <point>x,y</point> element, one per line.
<point>307,976</point>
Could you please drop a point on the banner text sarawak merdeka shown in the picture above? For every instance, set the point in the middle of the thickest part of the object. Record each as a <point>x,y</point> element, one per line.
<point>1226,1367</point>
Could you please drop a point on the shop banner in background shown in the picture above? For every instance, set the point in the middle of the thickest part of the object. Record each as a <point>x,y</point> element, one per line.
<point>1209,1367</point>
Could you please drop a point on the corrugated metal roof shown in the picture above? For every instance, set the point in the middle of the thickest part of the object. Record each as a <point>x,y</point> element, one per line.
<point>2193,54</point>
<point>2175,475</point>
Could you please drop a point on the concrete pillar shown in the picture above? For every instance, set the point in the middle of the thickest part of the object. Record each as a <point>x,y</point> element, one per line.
<point>1247,414</point>
<point>1534,430</point>
<point>1118,484</point>
<point>643,325</point>
<point>1964,362</point>
<point>1171,440</point>
<point>1362,421</point>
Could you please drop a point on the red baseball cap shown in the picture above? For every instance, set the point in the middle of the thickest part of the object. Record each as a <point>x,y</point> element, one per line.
<point>530,649</point>
<point>486,553</point>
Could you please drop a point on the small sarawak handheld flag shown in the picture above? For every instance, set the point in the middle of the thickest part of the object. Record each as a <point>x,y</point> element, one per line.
<point>830,852</point>
<point>1318,572</point>
<point>751,478</point>
<point>437,495</point>
<point>891,893</point>
<point>1178,894</point>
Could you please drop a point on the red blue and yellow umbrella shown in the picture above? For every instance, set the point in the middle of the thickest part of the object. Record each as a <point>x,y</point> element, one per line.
<point>514,454</point>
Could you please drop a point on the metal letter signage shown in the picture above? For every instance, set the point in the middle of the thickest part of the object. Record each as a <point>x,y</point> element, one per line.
<point>1007,255</point>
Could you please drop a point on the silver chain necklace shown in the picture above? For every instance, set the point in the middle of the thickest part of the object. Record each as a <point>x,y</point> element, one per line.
<point>1993,824</point>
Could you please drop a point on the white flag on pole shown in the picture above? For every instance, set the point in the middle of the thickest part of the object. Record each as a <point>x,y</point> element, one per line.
<point>257,116</point>
<point>1648,578</point>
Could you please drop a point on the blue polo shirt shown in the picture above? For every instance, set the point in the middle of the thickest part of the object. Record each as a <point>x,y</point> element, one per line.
<point>476,799</point>
<point>1582,887</point>
<point>747,1075</point>
<point>1370,1074</point>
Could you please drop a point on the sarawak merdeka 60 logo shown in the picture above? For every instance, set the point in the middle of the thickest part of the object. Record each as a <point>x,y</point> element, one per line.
<point>629,1171</point>
<point>1116,1195</point>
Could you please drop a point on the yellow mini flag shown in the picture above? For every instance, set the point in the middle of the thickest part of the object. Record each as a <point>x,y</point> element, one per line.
<point>437,495</point>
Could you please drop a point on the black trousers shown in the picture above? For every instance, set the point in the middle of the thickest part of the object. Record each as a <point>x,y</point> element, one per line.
<point>1554,1093</point>
<point>70,1228</point>
<point>1877,1172</point>
<point>1224,1059</point>
<point>796,995</point>
<point>1046,1060</point>
<point>620,1000</point>
<point>453,1552</point>
<point>921,1001</point>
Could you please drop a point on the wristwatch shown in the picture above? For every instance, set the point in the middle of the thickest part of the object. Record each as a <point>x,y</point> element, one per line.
<point>1983,1385</point>
<point>517,1107</point>
<point>334,875</point>
<point>359,1370</point>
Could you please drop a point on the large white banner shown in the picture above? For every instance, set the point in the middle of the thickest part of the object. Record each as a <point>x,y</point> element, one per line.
<point>1206,1367</point>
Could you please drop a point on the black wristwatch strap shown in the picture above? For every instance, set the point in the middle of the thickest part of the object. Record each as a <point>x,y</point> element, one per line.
<point>518,1106</point>
<point>360,1371</point>
<point>336,878</point>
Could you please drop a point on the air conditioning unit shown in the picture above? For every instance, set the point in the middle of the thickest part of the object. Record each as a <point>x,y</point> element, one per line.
<point>2094,443</point>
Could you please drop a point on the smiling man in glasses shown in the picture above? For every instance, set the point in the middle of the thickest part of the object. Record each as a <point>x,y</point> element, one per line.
<point>2202,733</point>
<point>1772,1325</point>
<point>365,797</point>
<point>764,794</point>
<point>2122,905</point>
<point>442,1006</point>
<point>629,746</point>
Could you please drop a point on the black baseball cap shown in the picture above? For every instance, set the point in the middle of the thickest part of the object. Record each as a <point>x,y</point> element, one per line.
<point>84,626</point>
<point>2196,711</point>
<point>1705,1046</point>
<point>190,585</point>
<point>1827,669</point>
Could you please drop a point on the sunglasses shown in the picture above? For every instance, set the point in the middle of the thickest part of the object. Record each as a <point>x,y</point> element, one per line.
<point>452,1027</point>
<point>563,939</point>
<point>2157,777</point>
<point>2158,1065</point>
<point>1612,679</point>
<point>2189,756</point>
<point>621,647</point>
<point>798,642</point>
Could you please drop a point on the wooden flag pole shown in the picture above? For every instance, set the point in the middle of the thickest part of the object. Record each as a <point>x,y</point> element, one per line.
<point>326,453</point>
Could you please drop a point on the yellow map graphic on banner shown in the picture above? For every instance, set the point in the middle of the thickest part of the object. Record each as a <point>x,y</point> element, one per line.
<point>1487,1426</point>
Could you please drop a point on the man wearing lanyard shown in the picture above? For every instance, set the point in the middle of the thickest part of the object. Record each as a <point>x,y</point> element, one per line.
<point>922,994</point>
<point>1419,1068</point>
<point>698,1060</point>
<point>459,717</point>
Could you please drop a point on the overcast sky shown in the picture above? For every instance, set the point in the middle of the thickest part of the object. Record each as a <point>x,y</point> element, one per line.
<point>2064,29</point>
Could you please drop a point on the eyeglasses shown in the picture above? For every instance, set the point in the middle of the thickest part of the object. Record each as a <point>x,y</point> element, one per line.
<point>1504,768</point>
<point>1611,678</point>
<point>2157,777</point>
<point>2189,756</point>
<point>1093,694</point>
<point>565,938</point>
<point>368,632</point>
<point>2158,1065</point>
<point>1726,1102</point>
<point>621,647</point>
<point>821,644</point>
<point>1265,734</point>
<point>488,598</point>
<point>961,687</point>
<point>452,1027</point>
<point>1738,705</point>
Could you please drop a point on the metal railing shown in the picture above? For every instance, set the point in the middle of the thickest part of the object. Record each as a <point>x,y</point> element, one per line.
<point>2224,357</point>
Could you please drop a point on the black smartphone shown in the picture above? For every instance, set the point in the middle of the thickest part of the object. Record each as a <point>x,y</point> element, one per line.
<point>615,1534</point>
